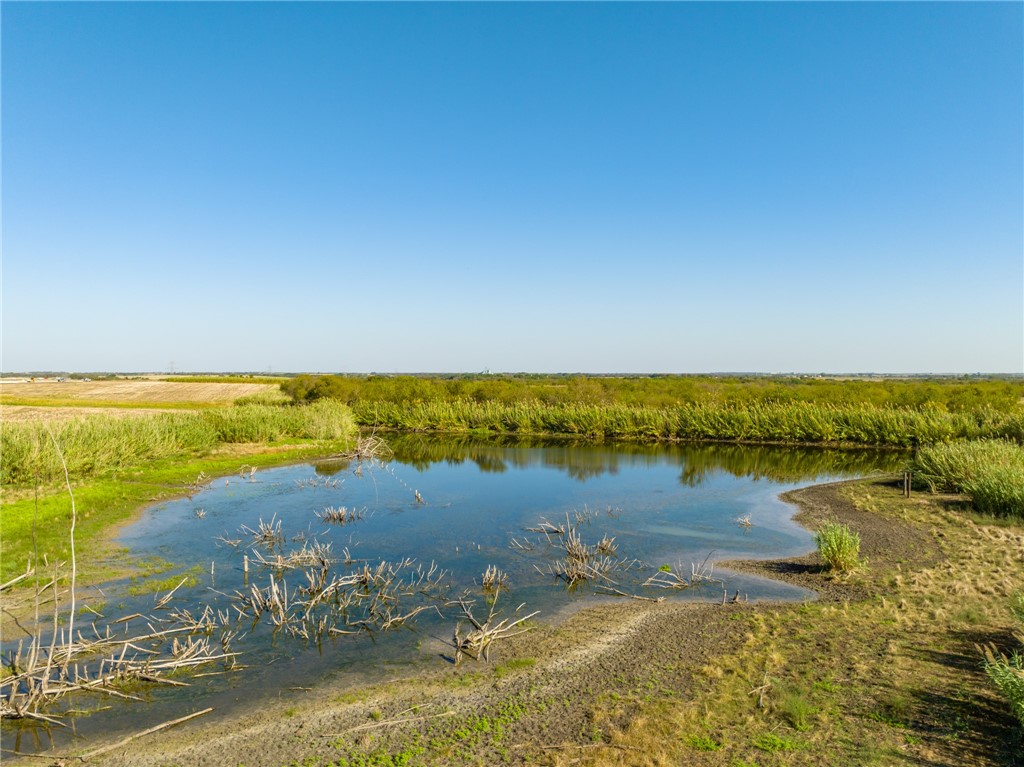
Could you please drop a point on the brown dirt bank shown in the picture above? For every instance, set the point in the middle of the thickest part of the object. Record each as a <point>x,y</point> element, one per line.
<point>885,544</point>
<point>579,691</point>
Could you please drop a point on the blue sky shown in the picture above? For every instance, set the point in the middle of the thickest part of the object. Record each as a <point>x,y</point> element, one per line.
<point>520,187</point>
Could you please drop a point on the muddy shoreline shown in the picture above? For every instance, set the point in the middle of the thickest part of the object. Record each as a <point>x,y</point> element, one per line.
<point>591,653</point>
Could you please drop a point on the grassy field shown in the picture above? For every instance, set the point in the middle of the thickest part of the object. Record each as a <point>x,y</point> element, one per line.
<point>131,394</point>
<point>117,464</point>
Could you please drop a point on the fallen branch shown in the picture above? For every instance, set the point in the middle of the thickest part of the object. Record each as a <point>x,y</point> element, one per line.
<point>137,735</point>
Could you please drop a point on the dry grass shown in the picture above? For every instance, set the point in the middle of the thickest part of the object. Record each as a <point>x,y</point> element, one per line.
<point>895,679</point>
<point>40,413</point>
<point>131,393</point>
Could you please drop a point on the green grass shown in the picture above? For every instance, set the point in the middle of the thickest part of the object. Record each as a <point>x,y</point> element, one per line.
<point>797,709</point>
<point>100,444</point>
<point>754,422</point>
<point>119,465</point>
<point>1007,673</point>
<point>991,472</point>
<point>953,394</point>
<point>771,743</point>
<point>515,664</point>
<point>703,743</point>
<point>838,546</point>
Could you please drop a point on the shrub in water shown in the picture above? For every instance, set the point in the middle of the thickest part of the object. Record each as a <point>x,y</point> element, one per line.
<point>838,546</point>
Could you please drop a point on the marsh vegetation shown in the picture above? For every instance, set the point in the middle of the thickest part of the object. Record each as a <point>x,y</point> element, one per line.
<point>315,584</point>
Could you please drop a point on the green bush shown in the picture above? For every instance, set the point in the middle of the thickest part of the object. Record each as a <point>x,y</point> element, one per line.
<point>1007,673</point>
<point>838,546</point>
<point>990,471</point>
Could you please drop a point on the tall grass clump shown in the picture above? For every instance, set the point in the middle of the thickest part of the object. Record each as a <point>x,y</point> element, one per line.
<point>1007,673</point>
<point>100,443</point>
<point>838,546</point>
<point>990,471</point>
<point>750,422</point>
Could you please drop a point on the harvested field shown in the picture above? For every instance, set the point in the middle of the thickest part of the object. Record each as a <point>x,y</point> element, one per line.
<point>28,413</point>
<point>131,393</point>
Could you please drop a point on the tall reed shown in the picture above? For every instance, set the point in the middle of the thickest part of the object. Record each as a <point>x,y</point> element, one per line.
<point>786,422</point>
<point>991,472</point>
<point>98,443</point>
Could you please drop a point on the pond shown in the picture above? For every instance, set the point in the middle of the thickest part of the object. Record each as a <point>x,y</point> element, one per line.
<point>403,544</point>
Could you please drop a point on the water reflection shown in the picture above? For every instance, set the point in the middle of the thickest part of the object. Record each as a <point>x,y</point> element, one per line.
<point>582,460</point>
<point>641,507</point>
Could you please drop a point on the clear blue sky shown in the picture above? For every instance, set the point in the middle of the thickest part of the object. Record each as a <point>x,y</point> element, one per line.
<point>520,187</point>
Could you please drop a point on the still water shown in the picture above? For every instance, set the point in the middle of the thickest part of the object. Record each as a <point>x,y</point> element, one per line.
<point>459,506</point>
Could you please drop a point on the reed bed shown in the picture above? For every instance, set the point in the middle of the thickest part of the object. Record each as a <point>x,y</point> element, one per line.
<point>991,472</point>
<point>787,422</point>
<point>100,443</point>
<point>365,598</point>
<point>108,659</point>
<point>580,562</point>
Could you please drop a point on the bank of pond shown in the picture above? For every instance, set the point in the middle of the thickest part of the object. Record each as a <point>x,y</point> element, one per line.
<point>353,568</point>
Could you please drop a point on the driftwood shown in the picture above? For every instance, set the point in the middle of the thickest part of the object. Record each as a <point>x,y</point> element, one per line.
<point>477,642</point>
<point>675,578</point>
<point>150,731</point>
